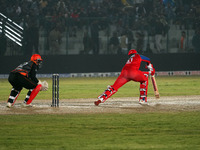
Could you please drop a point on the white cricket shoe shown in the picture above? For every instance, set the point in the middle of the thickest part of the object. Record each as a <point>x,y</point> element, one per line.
<point>9,105</point>
<point>27,105</point>
<point>142,102</point>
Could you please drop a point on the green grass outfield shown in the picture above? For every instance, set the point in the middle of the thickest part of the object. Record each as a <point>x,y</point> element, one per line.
<point>73,88</point>
<point>160,131</point>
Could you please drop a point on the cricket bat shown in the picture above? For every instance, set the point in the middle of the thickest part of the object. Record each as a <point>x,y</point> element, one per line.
<point>156,93</point>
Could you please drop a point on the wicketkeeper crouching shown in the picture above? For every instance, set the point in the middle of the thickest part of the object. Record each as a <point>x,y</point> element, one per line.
<point>24,76</point>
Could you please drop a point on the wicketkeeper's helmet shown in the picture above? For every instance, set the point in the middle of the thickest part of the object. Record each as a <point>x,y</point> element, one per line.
<point>36,58</point>
<point>132,51</point>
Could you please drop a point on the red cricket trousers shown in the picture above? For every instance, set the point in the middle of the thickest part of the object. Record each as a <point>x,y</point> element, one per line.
<point>134,75</point>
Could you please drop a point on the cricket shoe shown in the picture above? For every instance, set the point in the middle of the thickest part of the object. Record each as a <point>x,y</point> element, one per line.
<point>143,102</point>
<point>9,105</point>
<point>27,105</point>
<point>101,98</point>
<point>97,102</point>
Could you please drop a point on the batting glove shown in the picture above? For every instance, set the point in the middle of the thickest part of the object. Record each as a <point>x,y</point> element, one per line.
<point>152,72</point>
<point>150,67</point>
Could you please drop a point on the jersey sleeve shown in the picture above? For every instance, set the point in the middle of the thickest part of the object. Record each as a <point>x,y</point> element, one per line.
<point>145,59</point>
<point>33,72</point>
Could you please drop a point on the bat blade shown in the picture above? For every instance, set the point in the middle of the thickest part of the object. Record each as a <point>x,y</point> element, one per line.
<point>155,87</point>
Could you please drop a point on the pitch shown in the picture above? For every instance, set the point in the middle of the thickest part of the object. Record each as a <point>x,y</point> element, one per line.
<point>113,105</point>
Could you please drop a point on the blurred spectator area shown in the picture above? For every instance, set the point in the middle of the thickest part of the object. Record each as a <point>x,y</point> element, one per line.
<point>85,27</point>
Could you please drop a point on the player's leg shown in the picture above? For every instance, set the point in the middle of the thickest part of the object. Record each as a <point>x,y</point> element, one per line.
<point>143,79</point>
<point>13,97</point>
<point>32,93</point>
<point>106,94</point>
<point>143,92</point>
<point>13,79</point>
<point>111,90</point>
<point>33,87</point>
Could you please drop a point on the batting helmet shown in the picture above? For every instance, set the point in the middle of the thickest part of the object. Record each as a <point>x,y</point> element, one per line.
<point>36,58</point>
<point>132,51</point>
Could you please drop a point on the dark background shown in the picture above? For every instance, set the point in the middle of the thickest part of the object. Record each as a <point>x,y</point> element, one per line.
<point>102,63</point>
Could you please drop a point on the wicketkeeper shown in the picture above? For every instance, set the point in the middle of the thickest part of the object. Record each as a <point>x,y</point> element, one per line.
<point>24,76</point>
<point>131,72</point>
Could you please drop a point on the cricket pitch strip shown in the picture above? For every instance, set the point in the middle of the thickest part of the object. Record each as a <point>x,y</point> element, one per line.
<point>112,105</point>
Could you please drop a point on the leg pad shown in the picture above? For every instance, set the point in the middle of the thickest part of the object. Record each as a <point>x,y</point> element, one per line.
<point>34,93</point>
<point>143,91</point>
<point>107,93</point>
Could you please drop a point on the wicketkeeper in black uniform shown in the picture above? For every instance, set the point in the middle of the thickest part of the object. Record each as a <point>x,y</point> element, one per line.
<point>24,76</point>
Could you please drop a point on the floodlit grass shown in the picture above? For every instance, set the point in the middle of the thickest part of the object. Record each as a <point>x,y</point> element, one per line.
<point>101,131</point>
<point>160,131</point>
<point>73,88</point>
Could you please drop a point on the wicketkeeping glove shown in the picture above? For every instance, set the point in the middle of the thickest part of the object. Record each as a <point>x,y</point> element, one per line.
<point>44,84</point>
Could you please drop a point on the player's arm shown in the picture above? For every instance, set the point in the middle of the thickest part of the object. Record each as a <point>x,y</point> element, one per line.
<point>149,65</point>
<point>151,69</point>
<point>145,59</point>
<point>43,85</point>
<point>33,72</point>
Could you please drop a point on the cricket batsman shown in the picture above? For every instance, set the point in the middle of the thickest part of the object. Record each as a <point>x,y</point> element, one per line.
<point>131,72</point>
<point>24,76</point>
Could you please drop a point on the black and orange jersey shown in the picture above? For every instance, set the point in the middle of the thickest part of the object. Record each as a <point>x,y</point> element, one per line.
<point>28,69</point>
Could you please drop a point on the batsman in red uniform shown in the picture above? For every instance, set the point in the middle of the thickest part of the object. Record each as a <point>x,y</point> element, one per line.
<point>24,76</point>
<point>131,72</point>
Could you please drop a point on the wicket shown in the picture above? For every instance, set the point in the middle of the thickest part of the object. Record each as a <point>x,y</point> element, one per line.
<point>55,90</point>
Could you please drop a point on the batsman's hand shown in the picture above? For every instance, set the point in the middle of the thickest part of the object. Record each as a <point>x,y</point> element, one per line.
<point>151,69</point>
<point>44,84</point>
<point>152,72</point>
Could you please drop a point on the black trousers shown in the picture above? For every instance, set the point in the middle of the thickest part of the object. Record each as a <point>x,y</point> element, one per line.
<point>19,81</point>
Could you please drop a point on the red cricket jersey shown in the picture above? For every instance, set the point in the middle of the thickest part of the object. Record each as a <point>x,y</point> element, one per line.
<point>134,62</point>
<point>131,71</point>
